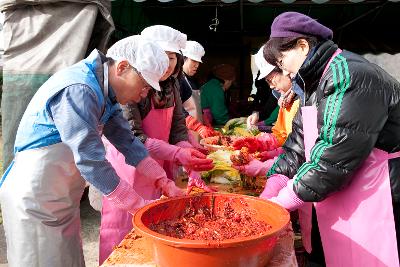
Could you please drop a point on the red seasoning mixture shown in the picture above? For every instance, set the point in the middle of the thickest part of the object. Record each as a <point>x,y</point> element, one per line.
<point>201,224</point>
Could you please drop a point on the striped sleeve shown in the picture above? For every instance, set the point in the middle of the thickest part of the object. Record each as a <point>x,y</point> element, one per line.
<point>118,132</point>
<point>76,112</point>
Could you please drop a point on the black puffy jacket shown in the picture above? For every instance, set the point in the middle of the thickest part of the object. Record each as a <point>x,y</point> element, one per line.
<point>358,107</point>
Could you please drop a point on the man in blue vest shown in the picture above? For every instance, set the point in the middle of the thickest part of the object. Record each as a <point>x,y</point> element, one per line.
<point>59,141</point>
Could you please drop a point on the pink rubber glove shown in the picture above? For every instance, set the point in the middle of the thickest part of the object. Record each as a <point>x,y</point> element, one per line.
<point>192,143</point>
<point>196,181</point>
<point>193,159</point>
<point>263,142</point>
<point>207,117</point>
<point>149,168</point>
<point>268,140</point>
<point>169,188</point>
<point>160,149</point>
<point>124,197</point>
<point>183,152</point>
<point>287,198</point>
<point>255,167</point>
<point>266,155</point>
<point>274,184</point>
<point>203,130</point>
<point>185,144</point>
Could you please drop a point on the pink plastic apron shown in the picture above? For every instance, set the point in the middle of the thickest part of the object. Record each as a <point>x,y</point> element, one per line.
<point>356,224</point>
<point>310,135</point>
<point>116,223</point>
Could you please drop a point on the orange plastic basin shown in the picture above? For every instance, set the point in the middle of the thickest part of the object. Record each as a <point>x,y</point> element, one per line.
<point>246,252</point>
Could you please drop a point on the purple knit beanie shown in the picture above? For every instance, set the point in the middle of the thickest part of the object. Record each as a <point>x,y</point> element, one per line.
<point>294,24</point>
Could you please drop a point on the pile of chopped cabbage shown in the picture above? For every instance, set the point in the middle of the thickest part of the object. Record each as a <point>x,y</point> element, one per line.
<point>238,127</point>
<point>223,172</point>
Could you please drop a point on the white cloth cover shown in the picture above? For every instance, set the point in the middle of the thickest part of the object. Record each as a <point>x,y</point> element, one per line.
<point>194,50</point>
<point>264,67</point>
<point>168,38</point>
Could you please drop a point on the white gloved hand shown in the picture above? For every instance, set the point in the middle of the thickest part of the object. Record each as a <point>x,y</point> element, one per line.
<point>252,120</point>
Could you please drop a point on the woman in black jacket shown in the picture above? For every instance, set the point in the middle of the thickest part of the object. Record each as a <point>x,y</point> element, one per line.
<point>352,173</point>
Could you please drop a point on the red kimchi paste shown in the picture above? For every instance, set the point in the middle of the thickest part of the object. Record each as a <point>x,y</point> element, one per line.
<point>202,224</point>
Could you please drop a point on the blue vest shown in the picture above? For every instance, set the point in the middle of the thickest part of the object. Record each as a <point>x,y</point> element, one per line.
<point>37,128</point>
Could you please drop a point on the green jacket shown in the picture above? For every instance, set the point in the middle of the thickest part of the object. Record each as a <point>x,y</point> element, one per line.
<point>213,98</point>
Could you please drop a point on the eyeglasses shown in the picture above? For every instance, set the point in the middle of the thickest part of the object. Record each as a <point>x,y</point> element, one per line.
<point>270,77</point>
<point>146,86</point>
<point>279,62</point>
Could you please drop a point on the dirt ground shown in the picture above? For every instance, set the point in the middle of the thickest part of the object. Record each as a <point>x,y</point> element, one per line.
<point>90,220</point>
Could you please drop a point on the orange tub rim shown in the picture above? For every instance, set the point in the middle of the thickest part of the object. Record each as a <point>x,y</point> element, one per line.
<point>142,229</point>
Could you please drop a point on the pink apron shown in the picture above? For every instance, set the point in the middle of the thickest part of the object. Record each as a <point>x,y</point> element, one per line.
<point>356,224</point>
<point>310,135</point>
<point>116,223</point>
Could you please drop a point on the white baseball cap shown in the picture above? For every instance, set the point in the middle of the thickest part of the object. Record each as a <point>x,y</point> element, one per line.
<point>168,38</point>
<point>193,50</point>
<point>264,67</point>
<point>148,58</point>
